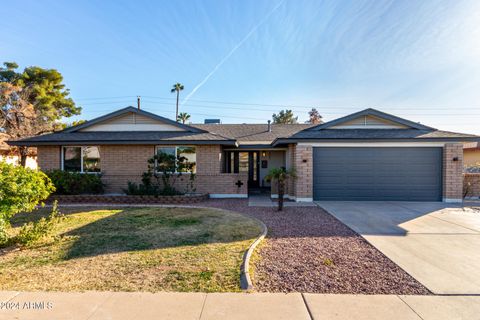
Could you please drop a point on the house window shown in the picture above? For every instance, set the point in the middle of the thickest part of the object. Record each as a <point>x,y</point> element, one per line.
<point>185,152</point>
<point>81,159</point>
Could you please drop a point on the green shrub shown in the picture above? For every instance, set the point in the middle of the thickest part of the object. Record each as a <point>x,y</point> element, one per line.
<point>21,190</point>
<point>32,232</point>
<point>3,232</point>
<point>328,262</point>
<point>76,183</point>
<point>141,189</point>
<point>161,176</point>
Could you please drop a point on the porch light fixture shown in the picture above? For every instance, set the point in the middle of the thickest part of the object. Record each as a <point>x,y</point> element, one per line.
<point>264,154</point>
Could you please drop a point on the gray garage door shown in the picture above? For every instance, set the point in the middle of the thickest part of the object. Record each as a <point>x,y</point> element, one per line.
<point>372,174</point>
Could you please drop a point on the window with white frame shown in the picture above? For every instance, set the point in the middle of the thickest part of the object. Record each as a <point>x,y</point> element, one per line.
<point>187,152</point>
<point>81,159</point>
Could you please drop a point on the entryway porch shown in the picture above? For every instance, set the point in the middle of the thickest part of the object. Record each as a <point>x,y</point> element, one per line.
<point>256,162</point>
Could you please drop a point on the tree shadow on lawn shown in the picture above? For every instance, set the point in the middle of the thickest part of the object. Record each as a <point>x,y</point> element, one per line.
<point>154,228</point>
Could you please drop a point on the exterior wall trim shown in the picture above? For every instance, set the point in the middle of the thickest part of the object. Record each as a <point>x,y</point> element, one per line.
<point>304,199</point>
<point>448,200</point>
<point>373,144</point>
<point>228,195</point>
<point>285,196</point>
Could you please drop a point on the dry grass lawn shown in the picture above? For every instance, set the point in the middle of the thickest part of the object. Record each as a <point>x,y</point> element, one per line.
<point>132,249</point>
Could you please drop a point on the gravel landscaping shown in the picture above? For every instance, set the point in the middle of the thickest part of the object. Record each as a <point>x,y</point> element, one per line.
<point>308,250</point>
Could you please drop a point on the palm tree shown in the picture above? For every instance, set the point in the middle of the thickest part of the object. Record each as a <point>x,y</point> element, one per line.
<point>177,87</point>
<point>280,175</point>
<point>183,116</point>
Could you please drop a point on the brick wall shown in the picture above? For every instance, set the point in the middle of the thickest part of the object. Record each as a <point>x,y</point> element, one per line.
<point>303,161</point>
<point>209,159</point>
<point>48,157</point>
<point>452,172</point>
<point>123,163</point>
<point>471,185</point>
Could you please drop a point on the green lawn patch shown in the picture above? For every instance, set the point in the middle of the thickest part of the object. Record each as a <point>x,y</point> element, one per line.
<point>132,249</point>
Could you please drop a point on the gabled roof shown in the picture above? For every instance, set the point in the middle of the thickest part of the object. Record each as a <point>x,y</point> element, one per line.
<point>376,113</point>
<point>136,111</point>
<point>246,134</point>
<point>75,135</point>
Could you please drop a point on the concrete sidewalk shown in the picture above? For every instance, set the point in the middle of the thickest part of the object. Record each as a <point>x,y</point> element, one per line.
<point>135,305</point>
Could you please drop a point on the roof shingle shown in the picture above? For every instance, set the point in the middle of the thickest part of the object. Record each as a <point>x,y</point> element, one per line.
<point>245,133</point>
<point>125,137</point>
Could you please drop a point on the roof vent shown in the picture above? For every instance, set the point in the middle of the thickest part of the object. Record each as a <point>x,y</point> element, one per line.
<point>269,126</point>
<point>212,121</point>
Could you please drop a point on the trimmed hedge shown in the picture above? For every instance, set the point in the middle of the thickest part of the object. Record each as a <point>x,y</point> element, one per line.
<point>71,183</point>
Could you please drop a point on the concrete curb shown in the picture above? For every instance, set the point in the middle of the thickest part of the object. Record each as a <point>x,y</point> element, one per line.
<point>245,280</point>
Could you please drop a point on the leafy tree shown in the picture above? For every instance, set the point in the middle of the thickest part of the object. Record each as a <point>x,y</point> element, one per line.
<point>32,102</point>
<point>72,124</point>
<point>280,177</point>
<point>314,117</point>
<point>177,87</point>
<point>21,190</point>
<point>284,117</point>
<point>183,116</point>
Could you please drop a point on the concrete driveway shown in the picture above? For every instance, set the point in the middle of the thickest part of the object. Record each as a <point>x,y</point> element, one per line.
<point>438,244</point>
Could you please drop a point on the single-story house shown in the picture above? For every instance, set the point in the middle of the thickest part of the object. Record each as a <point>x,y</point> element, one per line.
<point>471,154</point>
<point>7,155</point>
<point>368,155</point>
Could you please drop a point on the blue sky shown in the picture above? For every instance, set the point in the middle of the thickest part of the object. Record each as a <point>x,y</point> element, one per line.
<point>416,59</point>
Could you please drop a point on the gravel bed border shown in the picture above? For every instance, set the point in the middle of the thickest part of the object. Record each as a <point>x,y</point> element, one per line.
<point>245,280</point>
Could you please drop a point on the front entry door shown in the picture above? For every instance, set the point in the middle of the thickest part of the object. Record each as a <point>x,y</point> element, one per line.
<point>245,161</point>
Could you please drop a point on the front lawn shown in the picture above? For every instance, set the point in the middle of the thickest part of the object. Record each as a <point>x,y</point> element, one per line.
<point>132,249</point>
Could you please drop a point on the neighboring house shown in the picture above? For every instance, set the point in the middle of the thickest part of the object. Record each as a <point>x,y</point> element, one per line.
<point>11,158</point>
<point>368,155</point>
<point>471,154</point>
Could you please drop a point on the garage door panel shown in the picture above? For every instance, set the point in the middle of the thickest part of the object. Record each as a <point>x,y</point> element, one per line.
<point>377,174</point>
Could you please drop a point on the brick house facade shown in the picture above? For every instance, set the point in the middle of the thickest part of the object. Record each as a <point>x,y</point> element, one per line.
<point>232,160</point>
<point>123,163</point>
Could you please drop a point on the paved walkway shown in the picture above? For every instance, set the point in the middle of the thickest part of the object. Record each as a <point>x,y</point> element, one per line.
<point>437,243</point>
<point>132,305</point>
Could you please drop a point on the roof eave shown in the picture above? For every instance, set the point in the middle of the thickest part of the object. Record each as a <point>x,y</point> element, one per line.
<point>121,142</point>
<point>443,139</point>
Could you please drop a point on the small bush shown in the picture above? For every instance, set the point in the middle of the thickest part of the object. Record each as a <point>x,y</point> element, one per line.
<point>76,183</point>
<point>160,178</point>
<point>141,189</point>
<point>3,232</point>
<point>32,232</point>
<point>328,262</point>
<point>21,190</point>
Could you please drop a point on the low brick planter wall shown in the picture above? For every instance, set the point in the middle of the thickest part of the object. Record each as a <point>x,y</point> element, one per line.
<point>471,185</point>
<point>127,199</point>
